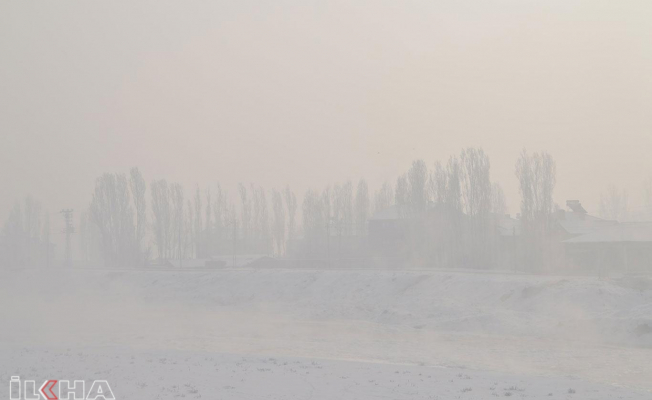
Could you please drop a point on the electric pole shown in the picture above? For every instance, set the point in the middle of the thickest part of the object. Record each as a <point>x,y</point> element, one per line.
<point>68,230</point>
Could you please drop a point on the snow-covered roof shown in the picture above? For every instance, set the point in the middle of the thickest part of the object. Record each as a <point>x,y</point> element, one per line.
<point>508,226</point>
<point>576,223</point>
<point>623,232</point>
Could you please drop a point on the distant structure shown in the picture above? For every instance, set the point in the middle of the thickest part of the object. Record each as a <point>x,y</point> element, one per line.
<point>575,206</point>
<point>68,230</point>
<point>592,243</point>
<point>388,230</point>
<point>577,221</point>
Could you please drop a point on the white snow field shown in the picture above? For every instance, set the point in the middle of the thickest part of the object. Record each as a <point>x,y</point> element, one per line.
<point>306,334</point>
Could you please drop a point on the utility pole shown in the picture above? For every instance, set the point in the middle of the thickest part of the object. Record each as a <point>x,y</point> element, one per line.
<point>68,230</point>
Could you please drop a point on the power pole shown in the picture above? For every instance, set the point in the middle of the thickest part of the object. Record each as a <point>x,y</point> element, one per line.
<point>68,230</point>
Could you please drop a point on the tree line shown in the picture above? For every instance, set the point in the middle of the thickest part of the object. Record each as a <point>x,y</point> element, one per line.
<point>447,214</point>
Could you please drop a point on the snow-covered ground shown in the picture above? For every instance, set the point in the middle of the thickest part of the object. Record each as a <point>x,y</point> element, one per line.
<point>330,334</point>
<point>205,375</point>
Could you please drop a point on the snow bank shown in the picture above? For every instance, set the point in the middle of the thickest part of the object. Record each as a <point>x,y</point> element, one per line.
<point>577,308</point>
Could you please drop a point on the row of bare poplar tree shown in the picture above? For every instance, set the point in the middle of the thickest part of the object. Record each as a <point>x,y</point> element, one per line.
<point>25,237</point>
<point>119,227</point>
<point>456,203</point>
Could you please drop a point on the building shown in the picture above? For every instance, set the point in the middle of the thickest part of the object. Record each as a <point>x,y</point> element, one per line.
<point>388,230</point>
<point>576,221</point>
<point>623,247</point>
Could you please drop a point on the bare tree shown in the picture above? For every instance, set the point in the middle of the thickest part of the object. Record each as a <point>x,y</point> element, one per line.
<point>209,226</point>
<point>439,179</point>
<point>476,196</point>
<point>384,197</point>
<point>111,211</point>
<point>545,174</point>
<point>314,222</point>
<point>291,203</point>
<point>536,174</point>
<point>197,227</point>
<point>138,189</point>
<point>537,178</point>
<point>32,227</point>
<point>188,240</point>
<point>476,182</point>
<point>646,213</point>
<point>13,238</point>
<point>336,205</point>
<point>179,227</point>
<point>417,183</point>
<point>278,230</point>
<point>260,231</point>
<point>25,235</point>
<point>347,206</point>
<point>255,241</point>
<point>327,207</point>
<point>46,238</point>
<point>265,232</point>
<point>221,217</point>
<point>402,193</point>
<point>245,215</point>
<point>613,204</point>
<point>162,218</point>
<point>453,224</point>
<point>232,221</point>
<point>84,236</point>
<point>361,208</point>
<point>453,196</point>
<point>498,201</point>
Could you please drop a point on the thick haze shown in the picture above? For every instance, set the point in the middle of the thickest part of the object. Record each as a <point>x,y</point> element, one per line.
<point>309,93</point>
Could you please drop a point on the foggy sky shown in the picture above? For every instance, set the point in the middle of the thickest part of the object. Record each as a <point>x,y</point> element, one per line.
<point>307,93</point>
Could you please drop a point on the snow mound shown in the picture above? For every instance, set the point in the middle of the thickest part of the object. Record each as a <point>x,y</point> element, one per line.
<point>578,308</point>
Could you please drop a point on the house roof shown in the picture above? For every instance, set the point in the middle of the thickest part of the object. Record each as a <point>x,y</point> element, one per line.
<point>620,233</point>
<point>508,226</point>
<point>578,223</point>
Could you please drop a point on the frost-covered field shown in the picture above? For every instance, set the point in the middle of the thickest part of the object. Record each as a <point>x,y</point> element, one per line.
<point>206,375</point>
<point>255,334</point>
